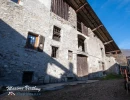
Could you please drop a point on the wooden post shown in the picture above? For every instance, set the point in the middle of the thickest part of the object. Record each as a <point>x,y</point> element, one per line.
<point>126,75</point>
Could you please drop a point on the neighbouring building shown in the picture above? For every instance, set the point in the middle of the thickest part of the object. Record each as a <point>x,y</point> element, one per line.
<point>49,41</point>
<point>128,61</point>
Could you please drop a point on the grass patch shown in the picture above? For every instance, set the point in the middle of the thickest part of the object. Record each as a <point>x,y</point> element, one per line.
<point>111,77</point>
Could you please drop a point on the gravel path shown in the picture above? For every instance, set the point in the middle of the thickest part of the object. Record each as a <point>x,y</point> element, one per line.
<point>102,90</point>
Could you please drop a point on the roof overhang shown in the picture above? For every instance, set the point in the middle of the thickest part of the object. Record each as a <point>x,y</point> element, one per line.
<point>90,19</point>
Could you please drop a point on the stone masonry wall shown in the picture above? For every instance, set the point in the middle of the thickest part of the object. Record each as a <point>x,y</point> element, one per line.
<point>16,20</point>
<point>112,66</point>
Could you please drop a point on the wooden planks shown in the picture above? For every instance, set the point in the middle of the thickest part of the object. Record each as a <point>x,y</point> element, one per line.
<point>61,8</point>
<point>82,66</point>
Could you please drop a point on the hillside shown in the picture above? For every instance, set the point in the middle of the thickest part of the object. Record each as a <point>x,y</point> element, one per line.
<point>126,52</point>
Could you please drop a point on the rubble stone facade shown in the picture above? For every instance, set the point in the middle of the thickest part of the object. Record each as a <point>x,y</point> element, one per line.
<point>35,16</point>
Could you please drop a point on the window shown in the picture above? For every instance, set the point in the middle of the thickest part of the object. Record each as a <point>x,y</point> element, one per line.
<point>56,33</point>
<point>54,52</point>
<point>60,7</point>
<point>16,1</point>
<point>70,55</point>
<point>81,44</point>
<point>35,41</point>
<point>102,52</point>
<point>27,77</point>
<point>103,67</point>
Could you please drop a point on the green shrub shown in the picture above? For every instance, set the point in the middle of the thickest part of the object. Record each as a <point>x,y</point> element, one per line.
<point>112,76</point>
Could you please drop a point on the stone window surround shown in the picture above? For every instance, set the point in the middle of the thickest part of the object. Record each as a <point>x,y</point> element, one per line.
<point>16,1</point>
<point>38,44</point>
<point>36,41</point>
<point>81,43</point>
<point>55,51</point>
<point>56,33</point>
<point>70,55</point>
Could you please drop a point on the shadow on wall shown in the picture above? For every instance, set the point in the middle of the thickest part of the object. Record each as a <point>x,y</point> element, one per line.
<point>15,59</point>
<point>114,69</point>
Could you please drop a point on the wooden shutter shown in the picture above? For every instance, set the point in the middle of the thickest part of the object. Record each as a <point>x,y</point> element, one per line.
<point>84,29</point>
<point>36,42</point>
<point>41,43</point>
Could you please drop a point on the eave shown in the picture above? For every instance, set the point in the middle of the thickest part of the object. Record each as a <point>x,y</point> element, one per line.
<point>91,20</point>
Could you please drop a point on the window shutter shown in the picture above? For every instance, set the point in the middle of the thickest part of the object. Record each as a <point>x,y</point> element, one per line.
<point>41,43</point>
<point>84,29</point>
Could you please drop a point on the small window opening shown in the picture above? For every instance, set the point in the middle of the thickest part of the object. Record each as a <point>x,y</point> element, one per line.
<point>16,1</point>
<point>81,44</point>
<point>35,41</point>
<point>70,55</point>
<point>102,52</point>
<point>32,40</point>
<point>54,52</point>
<point>56,33</point>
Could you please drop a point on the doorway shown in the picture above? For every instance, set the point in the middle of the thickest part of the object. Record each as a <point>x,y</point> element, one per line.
<point>27,77</point>
<point>82,66</point>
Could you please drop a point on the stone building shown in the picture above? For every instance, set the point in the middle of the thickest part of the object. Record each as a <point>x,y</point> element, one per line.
<point>49,41</point>
<point>128,61</point>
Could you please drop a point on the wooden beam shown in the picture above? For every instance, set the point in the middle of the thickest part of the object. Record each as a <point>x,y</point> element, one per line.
<point>97,27</point>
<point>81,7</point>
<point>108,42</point>
<point>113,51</point>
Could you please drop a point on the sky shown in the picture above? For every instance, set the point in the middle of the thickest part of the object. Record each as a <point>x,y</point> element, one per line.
<point>115,15</point>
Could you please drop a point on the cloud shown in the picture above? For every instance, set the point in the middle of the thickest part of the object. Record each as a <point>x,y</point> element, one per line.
<point>123,3</point>
<point>125,44</point>
<point>120,3</point>
<point>105,4</point>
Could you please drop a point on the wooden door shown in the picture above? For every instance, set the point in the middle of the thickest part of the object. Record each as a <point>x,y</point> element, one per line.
<point>82,66</point>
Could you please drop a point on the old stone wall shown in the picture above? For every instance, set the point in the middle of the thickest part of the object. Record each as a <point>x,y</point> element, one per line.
<point>32,16</point>
<point>95,52</point>
<point>112,66</point>
<point>16,20</point>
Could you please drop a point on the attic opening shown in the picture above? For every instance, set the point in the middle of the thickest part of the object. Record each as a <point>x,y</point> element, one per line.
<point>81,27</point>
<point>61,8</point>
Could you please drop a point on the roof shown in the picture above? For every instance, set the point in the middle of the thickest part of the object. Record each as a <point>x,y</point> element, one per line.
<point>91,20</point>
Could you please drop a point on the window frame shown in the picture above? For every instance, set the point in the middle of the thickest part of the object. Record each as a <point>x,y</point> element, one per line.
<point>55,51</point>
<point>18,1</point>
<point>81,42</point>
<point>56,34</point>
<point>28,45</point>
<point>70,55</point>
<point>38,43</point>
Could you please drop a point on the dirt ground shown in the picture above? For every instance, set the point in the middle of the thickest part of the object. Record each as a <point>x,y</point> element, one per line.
<point>101,90</point>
